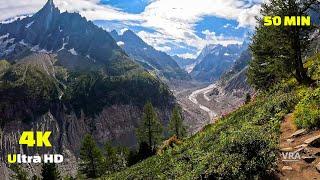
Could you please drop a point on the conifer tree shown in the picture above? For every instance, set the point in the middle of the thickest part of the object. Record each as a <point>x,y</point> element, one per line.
<point>248,98</point>
<point>19,173</point>
<point>50,172</point>
<point>115,157</point>
<point>150,128</point>
<point>278,50</point>
<point>92,161</point>
<point>176,126</point>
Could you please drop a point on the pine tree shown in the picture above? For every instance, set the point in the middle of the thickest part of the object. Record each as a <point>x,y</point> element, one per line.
<point>34,177</point>
<point>150,129</point>
<point>19,173</point>
<point>176,126</point>
<point>92,161</point>
<point>50,172</point>
<point>144,151</point>
<point>111,158</point>
<point>116,157</point>
<point>278,50</point>
<point>122,157</point>
<point>248,98</point>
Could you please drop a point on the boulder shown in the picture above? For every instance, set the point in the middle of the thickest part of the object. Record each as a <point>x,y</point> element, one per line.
<point>287,149</point>
<point>287,168</point>
<point>300,150</point>
<point>301,146</point>
<point>313,141</point>
<point>318,167</point>
<point>298,133</point>
<point>309,159</point>
<point>290,140</point>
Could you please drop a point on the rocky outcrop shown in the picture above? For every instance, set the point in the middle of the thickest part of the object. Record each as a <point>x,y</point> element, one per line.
<point>238,84</point>
<point>116,123</point>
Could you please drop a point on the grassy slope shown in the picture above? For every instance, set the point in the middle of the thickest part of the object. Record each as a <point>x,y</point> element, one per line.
<point>242,145</point>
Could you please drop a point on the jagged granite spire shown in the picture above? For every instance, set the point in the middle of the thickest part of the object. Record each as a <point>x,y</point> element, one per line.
<point>47,14</point>
<point>48,8</point>
<point>50,2</point>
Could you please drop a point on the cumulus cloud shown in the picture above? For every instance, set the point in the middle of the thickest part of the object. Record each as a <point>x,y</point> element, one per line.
<point>172,21</point>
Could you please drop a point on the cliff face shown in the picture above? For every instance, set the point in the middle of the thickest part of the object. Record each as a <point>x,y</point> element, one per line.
<point>116,123</point>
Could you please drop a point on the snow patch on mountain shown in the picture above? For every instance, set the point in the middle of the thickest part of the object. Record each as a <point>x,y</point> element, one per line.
<point>29,24</point>
<point>73,51</point>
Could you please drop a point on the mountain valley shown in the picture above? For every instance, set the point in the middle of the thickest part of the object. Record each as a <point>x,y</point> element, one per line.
<point>114,102</point>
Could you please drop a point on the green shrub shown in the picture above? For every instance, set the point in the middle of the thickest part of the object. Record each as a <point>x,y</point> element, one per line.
<point>307,111</point>
<point>313,65</point>
<point>238,146</point>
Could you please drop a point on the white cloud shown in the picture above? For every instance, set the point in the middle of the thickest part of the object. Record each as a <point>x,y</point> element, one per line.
<point>187,56</point>
<point>163,48</point>
<point>173,21</point>
<point>227,25</point>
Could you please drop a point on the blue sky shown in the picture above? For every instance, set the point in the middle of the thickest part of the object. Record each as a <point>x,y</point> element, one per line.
<point>130,6</point>
<point>178,27</point>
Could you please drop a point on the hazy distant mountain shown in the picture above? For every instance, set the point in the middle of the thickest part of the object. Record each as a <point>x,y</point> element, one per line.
<point>185,63</point>
<point>214,60</point>
<point>315,16</point>
<point>152,59</point>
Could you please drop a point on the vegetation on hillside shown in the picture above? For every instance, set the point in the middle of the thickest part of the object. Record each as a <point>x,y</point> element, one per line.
<point>176,126</point>
<point>50,172</point>
<point>35,88</point>
<point>150,130</point>
<point>241,145</point>
<point>307,111</point>
<point>278,51</point>
<point>91,158</point>
<point>244,144</point>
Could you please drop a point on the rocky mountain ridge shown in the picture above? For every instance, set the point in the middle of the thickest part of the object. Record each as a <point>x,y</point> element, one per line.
<point>214,60</point>
<point>151,59</point>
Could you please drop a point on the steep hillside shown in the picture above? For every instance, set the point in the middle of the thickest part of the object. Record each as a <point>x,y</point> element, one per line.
<point>155,61</point>
<point>241,145</point>
<point>239,64</point>
<point>235,80</point>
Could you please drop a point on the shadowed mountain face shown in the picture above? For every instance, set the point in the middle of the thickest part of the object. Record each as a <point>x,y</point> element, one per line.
<point>153,60</point>
<point>185,63</point>
<point>214,60</point>
<point>240,64</point>
<point>79,44</point>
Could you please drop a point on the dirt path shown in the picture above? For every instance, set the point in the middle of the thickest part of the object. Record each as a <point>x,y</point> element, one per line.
<point>299,152</point>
